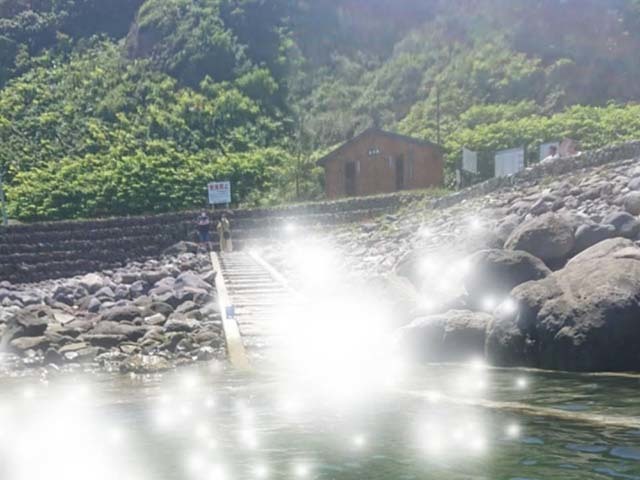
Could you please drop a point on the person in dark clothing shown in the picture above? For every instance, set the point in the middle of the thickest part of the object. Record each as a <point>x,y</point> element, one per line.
<point>202,226</point>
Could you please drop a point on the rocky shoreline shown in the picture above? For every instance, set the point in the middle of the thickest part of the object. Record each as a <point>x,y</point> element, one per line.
<point>142,318</point>
<point>541,273</point>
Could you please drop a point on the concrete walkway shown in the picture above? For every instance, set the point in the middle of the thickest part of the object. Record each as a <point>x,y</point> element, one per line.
<point>252,297</point>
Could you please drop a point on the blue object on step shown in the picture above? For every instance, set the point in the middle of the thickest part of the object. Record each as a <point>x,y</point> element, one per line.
<point>231,311</point>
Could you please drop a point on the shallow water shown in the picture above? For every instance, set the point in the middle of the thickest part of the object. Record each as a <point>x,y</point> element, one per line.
<point>433,422</point>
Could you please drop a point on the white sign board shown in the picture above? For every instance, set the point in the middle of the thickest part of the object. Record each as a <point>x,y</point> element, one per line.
<point>469,161</point>
<point>509,162</point>
<point>219,193</point>
<point>544,149</point>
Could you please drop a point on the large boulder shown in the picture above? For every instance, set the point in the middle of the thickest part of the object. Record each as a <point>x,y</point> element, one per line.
<point>585,317</point>
<point>494,273</point>
<point>457,335</point>
<point>549,237</point>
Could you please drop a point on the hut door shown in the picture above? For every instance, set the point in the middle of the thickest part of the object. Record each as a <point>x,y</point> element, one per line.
<point>400,173</point>
<point>350,179</point>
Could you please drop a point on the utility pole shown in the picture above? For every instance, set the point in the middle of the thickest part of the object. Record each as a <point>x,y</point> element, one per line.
<point>438,114</point>
<point>299,154</point>
<point>5,219</point>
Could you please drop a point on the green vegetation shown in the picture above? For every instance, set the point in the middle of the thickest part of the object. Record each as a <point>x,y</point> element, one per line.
<point>126,107</point>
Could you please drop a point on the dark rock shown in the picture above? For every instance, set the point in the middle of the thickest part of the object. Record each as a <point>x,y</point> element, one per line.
<point>64,294</point>
<point>590,234</point>
<point>104,340</point>
<point>173,339</point>
<point>452,336</point>
<point>582,318</point>
<point>130,332</point>
<point>494,273</point>
<point>180,324</point>
<point>558,204</point>
<point>75,328</point>
<point>159,307</point>
<point>625,224</point>
<point>591,194</point>
<point>121,313</point>
<point>548,237</point>
<point>186,307</point>
<point>167,296</point>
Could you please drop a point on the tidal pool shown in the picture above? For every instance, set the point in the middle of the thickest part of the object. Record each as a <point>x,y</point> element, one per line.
<point>432,422</point>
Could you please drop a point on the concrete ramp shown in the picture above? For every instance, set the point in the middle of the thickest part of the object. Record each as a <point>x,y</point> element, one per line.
<point>253,297</point>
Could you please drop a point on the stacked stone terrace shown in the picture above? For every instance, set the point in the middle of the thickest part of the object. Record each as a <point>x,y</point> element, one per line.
<point>41,251</point>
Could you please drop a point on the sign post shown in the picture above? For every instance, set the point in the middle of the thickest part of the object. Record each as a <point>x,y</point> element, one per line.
<point>219,193</point>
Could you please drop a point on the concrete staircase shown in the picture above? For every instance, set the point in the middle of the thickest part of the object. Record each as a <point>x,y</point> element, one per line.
<point>260,297</point>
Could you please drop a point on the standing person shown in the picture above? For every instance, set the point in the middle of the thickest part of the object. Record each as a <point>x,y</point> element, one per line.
<point>224,232</point>
<point>202,225</point>
<point>553,154</point>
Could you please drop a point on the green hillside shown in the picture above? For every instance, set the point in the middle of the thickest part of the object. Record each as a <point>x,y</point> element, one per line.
<point>131,106</point>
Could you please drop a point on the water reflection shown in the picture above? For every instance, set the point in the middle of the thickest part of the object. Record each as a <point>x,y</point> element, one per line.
<point>197,425</point>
